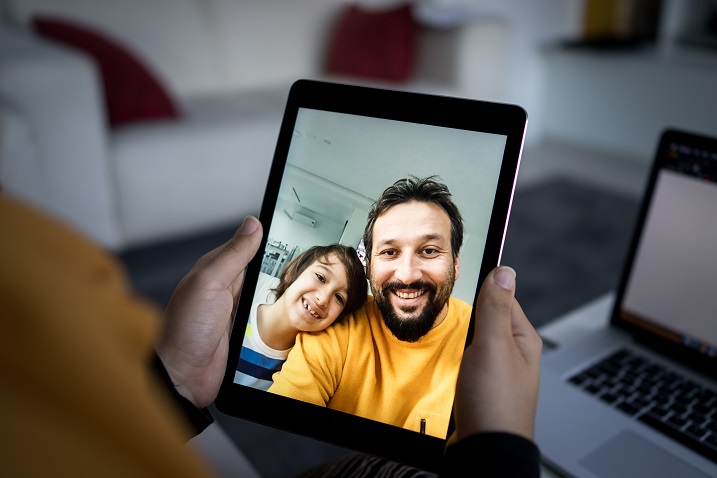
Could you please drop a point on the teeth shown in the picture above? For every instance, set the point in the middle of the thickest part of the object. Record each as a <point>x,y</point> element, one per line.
<point>311,311</point>
<point>409,295</point>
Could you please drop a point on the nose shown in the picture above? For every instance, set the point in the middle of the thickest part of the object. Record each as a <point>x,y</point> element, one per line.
<point>322,297</point>
<point>408,269</point>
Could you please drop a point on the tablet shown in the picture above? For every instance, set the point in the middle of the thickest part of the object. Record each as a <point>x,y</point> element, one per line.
<point>433,177</point>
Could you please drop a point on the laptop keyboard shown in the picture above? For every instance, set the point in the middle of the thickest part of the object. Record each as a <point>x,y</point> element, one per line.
<point>681,409</point>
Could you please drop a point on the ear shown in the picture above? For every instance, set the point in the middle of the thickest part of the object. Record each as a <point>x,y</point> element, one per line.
<point>457,265</point>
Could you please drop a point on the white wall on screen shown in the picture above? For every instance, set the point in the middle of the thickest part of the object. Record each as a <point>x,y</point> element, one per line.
<point>326,231</point>
<point>355,227</point>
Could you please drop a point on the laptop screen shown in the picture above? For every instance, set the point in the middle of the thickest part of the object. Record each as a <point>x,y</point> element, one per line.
<point>671,287</point>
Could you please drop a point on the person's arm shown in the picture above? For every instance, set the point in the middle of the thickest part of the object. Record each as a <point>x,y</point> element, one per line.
<point>497,390</point>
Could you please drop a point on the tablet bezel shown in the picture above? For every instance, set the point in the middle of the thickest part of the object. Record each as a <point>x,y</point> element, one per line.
<point>339,428</point>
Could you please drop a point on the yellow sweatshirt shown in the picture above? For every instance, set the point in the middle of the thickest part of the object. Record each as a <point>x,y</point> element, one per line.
<point>357,366</point>
<point>77,396</point>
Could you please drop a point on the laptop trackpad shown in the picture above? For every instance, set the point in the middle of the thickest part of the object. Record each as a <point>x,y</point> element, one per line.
<point>627,455</point>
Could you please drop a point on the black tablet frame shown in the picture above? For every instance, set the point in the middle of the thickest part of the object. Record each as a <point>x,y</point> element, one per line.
<point>338,428</point>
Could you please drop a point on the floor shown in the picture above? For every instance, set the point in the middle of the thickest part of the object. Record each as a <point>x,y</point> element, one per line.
<point>548,160</point>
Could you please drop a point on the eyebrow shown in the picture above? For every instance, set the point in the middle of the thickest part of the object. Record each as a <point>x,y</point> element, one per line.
<point>424,238</point>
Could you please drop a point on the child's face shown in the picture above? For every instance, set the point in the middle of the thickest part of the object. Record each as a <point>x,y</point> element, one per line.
<point>317,297</point>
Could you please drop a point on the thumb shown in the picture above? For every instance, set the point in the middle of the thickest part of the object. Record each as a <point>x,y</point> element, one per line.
<point>228,261</point>
<point>494,304</point>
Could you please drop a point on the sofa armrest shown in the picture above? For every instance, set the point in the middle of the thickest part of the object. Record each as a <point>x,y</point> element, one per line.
<point>59,96</point>
<point>20,175</point>
<point>470,56</point>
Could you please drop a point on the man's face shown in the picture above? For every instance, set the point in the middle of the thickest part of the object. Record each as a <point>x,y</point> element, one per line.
<point>411,269</point>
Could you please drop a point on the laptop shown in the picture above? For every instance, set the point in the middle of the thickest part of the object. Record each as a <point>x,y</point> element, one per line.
<point>639,396</point>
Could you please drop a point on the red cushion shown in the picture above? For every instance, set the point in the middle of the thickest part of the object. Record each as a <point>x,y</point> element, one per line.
<point>132,93</point>
<point>374,43</point>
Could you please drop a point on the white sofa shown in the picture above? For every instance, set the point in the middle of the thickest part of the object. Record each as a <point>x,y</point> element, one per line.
<point>228,64</point>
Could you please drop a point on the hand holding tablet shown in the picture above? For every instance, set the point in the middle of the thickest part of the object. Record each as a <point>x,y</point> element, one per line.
<point>194,338</point>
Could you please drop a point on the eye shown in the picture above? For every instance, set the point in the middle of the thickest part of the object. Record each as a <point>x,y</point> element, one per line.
<point>388,253</point>
<point>430,251</point>
<point>320,277</point>
<point>340,299</point>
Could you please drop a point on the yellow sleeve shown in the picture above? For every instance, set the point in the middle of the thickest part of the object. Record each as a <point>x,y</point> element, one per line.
<point>312,370</point>
<point>77,393</point>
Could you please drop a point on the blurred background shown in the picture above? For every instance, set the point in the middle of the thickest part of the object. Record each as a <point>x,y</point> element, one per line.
<point>150,124</point>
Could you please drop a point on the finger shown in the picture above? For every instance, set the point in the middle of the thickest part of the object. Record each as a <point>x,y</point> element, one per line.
<point>226,263</point>
<point>209,256</point>
<point>495,304</point>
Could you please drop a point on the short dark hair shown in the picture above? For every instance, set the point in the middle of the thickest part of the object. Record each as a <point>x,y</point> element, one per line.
<point>414,189</point>
<point>355,274</point>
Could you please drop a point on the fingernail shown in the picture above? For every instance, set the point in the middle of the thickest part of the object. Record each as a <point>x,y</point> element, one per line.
<point>504,277</point>
<point>249,226</point>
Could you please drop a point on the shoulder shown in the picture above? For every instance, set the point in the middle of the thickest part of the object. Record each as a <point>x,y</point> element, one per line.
<point>357,324</point>
<point>359,319</point>
<point>460,308</point>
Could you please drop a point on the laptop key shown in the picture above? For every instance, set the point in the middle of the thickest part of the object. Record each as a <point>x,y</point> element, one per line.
<point>640,402</point>
<point>712,426</point>
<point>608,397</point>
<point>697,417</point>
<point>660,412</point>
<point>579,379</point>
<point>700,407</point>
<point>696,431</point>
<point>676,421</point>
<point>628,408</point>
<point>594,388</point>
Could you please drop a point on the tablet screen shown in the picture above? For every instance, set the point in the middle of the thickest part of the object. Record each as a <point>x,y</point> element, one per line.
<point>379,223</point>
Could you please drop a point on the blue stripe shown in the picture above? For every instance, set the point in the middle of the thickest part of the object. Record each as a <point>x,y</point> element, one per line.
<point>260,360</point>
<point>253,370</point>
<point>257,365</point>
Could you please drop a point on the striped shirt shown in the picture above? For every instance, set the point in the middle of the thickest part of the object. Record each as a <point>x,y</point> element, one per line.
<point>257,361</point>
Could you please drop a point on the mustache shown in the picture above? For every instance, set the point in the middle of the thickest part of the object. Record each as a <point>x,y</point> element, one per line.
<point>418,285</point>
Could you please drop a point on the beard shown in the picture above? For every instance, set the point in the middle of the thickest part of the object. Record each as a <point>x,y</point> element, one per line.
<point>409,324</point>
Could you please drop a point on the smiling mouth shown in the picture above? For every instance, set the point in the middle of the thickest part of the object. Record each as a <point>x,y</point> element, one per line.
<point>313,313</point>
<point>409,295</point>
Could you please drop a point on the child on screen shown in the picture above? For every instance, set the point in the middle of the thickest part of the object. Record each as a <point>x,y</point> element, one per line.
<point>321,285</point>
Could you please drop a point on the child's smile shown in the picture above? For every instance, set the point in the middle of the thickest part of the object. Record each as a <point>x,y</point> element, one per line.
<point>311,311</point>
<point>318,295</point>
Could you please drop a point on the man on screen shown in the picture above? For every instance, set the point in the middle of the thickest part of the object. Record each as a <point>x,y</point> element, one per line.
<point>396,359</point>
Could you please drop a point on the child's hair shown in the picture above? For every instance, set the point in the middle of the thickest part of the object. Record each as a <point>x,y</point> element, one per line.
<point>355,274</point>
